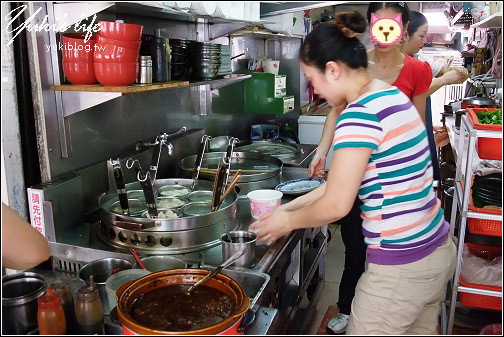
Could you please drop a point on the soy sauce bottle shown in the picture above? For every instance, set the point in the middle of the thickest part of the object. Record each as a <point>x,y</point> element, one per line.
<point>62,288</point>
<point>89,310</point>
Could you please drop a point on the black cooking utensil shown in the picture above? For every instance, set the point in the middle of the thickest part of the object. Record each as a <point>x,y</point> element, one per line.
<point>219,182</point>
<point>121,186</point>
<point>199,158</point>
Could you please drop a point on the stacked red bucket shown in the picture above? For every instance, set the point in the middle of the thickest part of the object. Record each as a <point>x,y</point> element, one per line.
<point>116,53</point>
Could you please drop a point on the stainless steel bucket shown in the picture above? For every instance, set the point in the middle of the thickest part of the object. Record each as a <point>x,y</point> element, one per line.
<point>20,293</point>
<point>236,241</point>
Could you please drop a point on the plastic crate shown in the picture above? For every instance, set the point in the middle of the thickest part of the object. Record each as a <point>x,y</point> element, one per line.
<point>482,301</point>
<point>488,148</point>
<point>483,226</point>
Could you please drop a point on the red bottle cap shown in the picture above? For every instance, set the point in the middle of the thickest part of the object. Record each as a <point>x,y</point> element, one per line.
<point>49,301</point>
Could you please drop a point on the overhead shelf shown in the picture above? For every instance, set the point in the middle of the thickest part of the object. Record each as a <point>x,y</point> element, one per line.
<point>265,35</point>
<point>493,21</point>
<point>128,89</point>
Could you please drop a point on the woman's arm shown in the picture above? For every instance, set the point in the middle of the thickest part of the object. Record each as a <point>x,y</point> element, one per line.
<point>317,165</point>
<point>448,76</point>
<point>335,202</point>
<point>22,246</point>
<point>419,101</point>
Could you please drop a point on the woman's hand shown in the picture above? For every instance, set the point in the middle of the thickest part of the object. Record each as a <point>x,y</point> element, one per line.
<point>317,166</point>
<point>271,226</point>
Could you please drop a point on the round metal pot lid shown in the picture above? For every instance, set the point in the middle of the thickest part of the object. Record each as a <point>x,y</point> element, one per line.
<point>277,149</point>
<point>478,100</point>
<point>254,166</point>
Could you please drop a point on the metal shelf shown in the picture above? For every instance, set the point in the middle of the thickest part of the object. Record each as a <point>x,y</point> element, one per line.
<point>479,291</point>
<point>466,150</point>
<point>493,21</point>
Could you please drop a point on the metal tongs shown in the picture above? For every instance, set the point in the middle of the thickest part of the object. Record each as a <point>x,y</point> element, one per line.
<point>146,184</point>
<point>222,174</point>
<point>199,159</point>
<point>120,185</point>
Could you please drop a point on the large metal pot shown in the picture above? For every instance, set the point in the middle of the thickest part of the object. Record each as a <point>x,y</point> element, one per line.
<point>19,302</point>
<point>129,292</point>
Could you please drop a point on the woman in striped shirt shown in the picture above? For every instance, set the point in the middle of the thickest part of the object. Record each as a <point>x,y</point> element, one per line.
<point>381,155</point>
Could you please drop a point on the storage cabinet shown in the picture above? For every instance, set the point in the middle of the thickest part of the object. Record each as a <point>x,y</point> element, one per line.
<point>481,296</point>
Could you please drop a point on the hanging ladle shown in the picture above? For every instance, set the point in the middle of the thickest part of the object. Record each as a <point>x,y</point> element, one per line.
<point>217,270</point>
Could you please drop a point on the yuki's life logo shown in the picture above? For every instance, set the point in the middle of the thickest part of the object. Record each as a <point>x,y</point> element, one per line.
<point>386,31</point>
<point>44,25</point>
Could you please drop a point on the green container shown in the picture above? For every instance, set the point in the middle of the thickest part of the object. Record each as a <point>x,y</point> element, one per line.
<point>265,93</point>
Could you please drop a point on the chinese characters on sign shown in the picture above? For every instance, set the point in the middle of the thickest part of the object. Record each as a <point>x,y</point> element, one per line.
<point>35,204</point>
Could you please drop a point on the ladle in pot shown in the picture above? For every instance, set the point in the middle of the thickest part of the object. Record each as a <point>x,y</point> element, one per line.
<point>217,270</point>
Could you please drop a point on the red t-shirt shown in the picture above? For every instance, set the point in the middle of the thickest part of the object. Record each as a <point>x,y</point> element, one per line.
<point>415,77</point>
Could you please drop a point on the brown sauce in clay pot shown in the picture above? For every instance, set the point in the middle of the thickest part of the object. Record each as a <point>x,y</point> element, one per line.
<point>171,309</point>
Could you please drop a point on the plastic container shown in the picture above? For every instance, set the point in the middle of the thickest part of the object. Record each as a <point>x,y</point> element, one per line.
<point>482,301</point>
<point>50,315</point>
<point>118,279</point>
<point>263,201</point>
<point>484,226</point>
<point>89,311</point>
<point>488,148</point>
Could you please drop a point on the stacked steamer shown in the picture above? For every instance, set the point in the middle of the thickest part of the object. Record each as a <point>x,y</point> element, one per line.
<point>78,53</point>
<point>116,53</point>
<point>225,67</point>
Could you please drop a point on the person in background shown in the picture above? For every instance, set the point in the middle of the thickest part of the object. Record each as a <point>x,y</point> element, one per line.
<point>414,41</point>
<point>22,246</point>
<point>412,77</point>
<point>381,155</point>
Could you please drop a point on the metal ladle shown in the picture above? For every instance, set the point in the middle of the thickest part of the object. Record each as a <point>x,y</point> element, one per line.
<point>217,270</point>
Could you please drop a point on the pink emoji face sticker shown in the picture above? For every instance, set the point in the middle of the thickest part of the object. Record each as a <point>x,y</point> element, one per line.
<point>386,31</point>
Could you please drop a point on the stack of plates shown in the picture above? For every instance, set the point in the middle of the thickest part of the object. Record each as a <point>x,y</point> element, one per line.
<point>225,67</point>
<point>205,60</point>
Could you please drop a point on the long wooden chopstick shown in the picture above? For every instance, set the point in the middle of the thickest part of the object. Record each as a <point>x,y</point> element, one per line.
<point>230,187</point>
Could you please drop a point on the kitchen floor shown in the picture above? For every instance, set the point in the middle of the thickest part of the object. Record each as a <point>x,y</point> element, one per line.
<point>467,321</point>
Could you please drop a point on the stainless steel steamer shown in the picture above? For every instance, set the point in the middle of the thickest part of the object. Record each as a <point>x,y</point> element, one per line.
<point>166,236</point>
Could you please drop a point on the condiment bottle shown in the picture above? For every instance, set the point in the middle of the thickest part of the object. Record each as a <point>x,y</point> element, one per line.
<point>62,288</point>
<point>50,315</point>
<point>89,310</point>
<point>144,70</point>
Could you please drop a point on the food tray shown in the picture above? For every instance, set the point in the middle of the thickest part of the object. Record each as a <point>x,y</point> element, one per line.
<point>488,148</point>
<point>482,301</point>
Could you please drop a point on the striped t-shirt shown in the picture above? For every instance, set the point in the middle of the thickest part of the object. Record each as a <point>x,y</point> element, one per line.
<point>402,218</point>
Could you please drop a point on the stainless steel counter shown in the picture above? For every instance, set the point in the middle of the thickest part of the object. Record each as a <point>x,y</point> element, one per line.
<point>296,264</point>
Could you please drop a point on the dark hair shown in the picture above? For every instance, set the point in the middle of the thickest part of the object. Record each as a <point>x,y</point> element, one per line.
<point>330,41</point>
<point>417,20</point>
<point>401,7</point>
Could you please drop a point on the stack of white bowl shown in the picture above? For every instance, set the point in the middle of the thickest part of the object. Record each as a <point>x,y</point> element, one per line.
<point>203,7</point>
<point>225,67</point>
